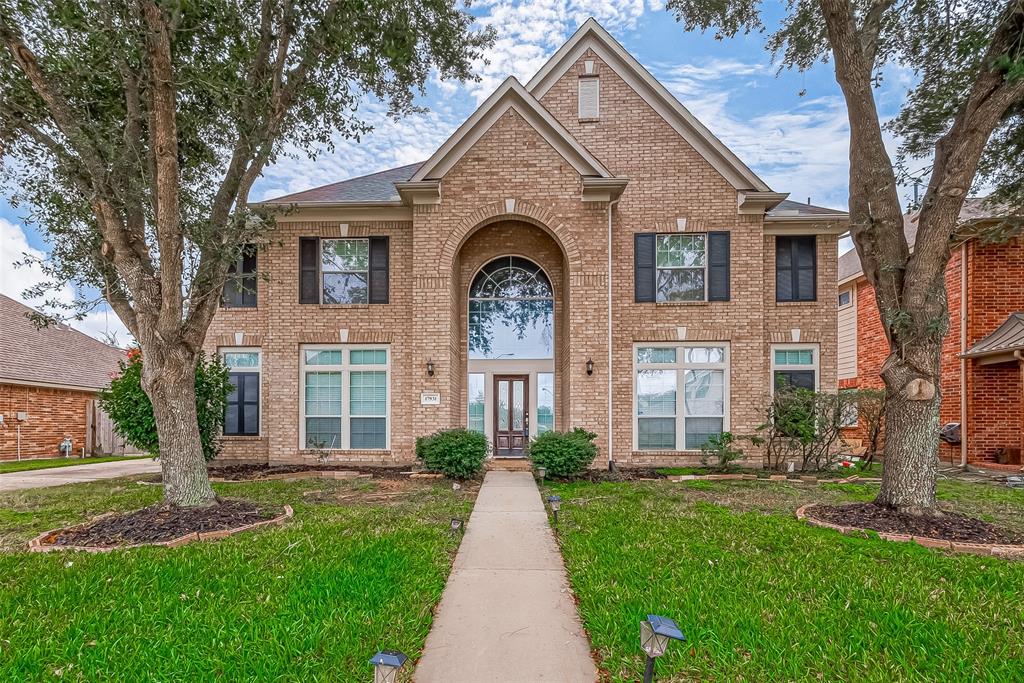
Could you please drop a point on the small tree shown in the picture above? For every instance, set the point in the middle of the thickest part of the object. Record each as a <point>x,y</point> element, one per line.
<point>722,449</point>
<point>129,407</point>
<point>871,414</point>
<point>804,427</point>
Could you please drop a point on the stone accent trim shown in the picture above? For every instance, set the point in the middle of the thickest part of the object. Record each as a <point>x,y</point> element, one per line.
<point>36,544</point>
<point>996,550</point>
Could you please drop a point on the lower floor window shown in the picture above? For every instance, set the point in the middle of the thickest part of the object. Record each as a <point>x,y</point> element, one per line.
<point>794,367</point>
<point>476,402</point>
<point>697,373</point>
<point>242,412</point>
<point>345,403</point>
<point>545,402</point>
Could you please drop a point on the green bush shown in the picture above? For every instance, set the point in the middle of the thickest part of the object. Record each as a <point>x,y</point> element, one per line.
<point>132,413</point>
<point>720,451</point>
<point>458,453</point>
<point>563,454</point>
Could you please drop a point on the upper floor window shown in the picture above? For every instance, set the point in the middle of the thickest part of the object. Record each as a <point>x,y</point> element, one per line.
<point>691,266</point>
<point>511,311</point>
<point>796,268</point>
<point>682,267</point>
<point>343,270</point>
<point>590,97</point>
<point>240,286</point>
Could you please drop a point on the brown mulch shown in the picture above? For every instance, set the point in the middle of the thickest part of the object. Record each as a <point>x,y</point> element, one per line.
<point>248,472</point>
<point>598,476</point>
<point>949,526</point>
<point>160,523</point>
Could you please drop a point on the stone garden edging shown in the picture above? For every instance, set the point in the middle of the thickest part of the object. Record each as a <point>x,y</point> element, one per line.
<point>993,549</point>
<point>36,545</point>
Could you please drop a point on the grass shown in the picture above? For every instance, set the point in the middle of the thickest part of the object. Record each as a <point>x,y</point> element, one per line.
<point>763,597</point>
<point>359,568</point>
<point>872,470</point>
<point>50,463</point>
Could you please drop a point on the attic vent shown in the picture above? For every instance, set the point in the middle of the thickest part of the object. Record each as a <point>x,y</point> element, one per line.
<point>589,97</point>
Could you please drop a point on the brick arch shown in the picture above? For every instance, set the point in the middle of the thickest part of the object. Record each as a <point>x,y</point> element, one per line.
<point>524,212</point>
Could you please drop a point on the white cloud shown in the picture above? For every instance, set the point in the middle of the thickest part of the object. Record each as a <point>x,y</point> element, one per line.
<point>15,279</point>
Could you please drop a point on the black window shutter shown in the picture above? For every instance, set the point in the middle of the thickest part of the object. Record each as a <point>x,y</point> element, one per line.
<point>378,270</point>
<point>644,271</point>
<point>718,266</point>
<point>309,270</point>
<point>806,256</point>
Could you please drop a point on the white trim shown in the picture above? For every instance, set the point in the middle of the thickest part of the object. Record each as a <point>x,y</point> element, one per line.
<point>323,272</point>
<point>345,368</point>
<point>509,95</point>
<point>221,350</point>
<point>815,350</point>
<point>680,367</point>
<point>848,290</point>
<point>593,36</point>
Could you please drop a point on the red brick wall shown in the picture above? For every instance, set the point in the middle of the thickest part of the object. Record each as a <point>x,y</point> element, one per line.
<point>52,415</point>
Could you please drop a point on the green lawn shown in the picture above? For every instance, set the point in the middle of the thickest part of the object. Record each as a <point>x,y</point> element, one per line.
<point>763,597</point>
<point>357,569</point>
<point>49,463</point>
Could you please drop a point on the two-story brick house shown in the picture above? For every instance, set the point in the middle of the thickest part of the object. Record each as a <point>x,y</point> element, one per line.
<point>983,351</point>
<point>581,252</point>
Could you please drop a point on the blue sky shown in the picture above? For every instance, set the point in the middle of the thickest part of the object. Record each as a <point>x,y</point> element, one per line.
<point>789,127</point>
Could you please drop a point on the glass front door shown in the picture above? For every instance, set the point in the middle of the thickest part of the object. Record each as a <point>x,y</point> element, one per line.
<point>511,414</point>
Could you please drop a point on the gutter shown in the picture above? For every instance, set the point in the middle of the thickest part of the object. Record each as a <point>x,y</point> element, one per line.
<point>611,459</point>
<point>963,359</point>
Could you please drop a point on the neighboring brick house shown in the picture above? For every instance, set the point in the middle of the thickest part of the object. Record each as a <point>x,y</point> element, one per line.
<point>582,252</point>
<point>981,351</point>
<point>48,382</point>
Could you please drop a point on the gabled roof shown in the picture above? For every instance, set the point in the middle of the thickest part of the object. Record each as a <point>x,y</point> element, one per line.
<point>1007,338</point>
<point>788,208</point>
<point>372,188</point>
<point>593,36</point>
<point>52,356</point>
<point>510,95</point>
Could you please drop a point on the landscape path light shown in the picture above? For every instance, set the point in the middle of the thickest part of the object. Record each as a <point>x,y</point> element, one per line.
<point>386,664</point>
<point>555,502</point>
<point>655,634</point>
<point>541,471</point>
<point>457,526</point>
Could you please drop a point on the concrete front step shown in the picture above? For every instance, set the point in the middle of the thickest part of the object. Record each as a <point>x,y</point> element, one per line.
<point>509,464</point>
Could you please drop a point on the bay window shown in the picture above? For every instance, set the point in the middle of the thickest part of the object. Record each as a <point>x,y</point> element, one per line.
<point>346,401</point>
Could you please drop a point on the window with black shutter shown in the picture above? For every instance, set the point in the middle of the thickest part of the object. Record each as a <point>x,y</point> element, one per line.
<point>343,270</point>
<point>240,286</point>
<point>681,267</point>
<point>796,268</point>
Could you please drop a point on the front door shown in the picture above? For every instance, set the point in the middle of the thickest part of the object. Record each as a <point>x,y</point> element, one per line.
<point>511,415</point>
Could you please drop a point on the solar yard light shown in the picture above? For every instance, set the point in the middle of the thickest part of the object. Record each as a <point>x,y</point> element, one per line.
<point>655,634</point>
<point>555,502</point>
<point>386,664</point>
<point>541,471</point>
<point>457,526</point>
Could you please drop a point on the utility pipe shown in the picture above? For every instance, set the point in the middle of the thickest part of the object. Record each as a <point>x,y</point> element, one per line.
<point>611,206</point>
<point>963,360</point>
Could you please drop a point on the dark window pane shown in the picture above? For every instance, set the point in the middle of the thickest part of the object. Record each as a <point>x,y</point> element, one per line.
<point>681,285</point>
<point>368,432</point>
<point>700,429</point>
<point>794,379</point>
<point>657,433</point>
<point>345,288</point>
<point>323,432</point>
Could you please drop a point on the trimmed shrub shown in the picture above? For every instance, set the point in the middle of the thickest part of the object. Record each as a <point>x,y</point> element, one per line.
<point>564,454</point>
<point>457,453</point>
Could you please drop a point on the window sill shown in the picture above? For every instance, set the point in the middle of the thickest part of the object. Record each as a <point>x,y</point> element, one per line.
<point>347,307</point>
<point>591,119</point>
<point>673,304</point>
<point>241,437</point>
<point>797,303</point>
<point>643,453</point>
<point>344,451</point>
<point>238,308</point>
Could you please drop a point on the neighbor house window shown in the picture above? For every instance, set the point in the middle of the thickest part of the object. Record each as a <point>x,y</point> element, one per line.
<point>796,268</point>
<point>795,366</point>
<point>242,413</point>
<point>240,285</point>
<point>345,271</point>
<point>476,384</point>
<point>682,267</point>
<point>345,397</point>
<point>845,298</point>
<point>699,374</point>
<point>545,402</point>
<point>851,411</point>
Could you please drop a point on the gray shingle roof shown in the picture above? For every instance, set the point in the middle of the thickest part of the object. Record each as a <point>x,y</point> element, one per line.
<point>52,355</point>
<point>375,187</point>
<point>1008,337</point>
<point>788,207</point>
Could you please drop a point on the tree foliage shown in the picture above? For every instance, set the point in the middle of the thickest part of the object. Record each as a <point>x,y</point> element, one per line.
<point>132,413</point>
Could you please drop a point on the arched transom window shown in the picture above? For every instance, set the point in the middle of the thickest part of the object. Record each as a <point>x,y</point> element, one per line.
<point>511,311</point>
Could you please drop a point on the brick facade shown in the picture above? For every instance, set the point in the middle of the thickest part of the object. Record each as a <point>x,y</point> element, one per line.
<point>513,193</point>
<point>52,415</point>
<point>994,396</point>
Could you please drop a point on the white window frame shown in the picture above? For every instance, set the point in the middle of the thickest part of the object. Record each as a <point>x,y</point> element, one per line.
<point>345,368</point>
<point>848,303</point>
<point>221,350</point>
<point>681,366</point>
<point>324,272</point>
<point>658,268</point>
<point>815,350</point>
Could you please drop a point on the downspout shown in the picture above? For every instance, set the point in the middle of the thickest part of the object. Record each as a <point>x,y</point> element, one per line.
<point>611,459</point>
<point>963,360</point>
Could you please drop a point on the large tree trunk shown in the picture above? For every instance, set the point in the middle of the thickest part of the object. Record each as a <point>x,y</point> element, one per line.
<point>170,383</point>
<point>911,429</point>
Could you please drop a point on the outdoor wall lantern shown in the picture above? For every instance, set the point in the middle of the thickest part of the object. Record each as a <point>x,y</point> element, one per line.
<point>590,366</point>
<point>555,502</point>
<point>457,526</point>
<point>655,634</point>
<point>430,368</point>
<point>386,664</point>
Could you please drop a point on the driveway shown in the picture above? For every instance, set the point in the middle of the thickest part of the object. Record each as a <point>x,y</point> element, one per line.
<point>75,474</point>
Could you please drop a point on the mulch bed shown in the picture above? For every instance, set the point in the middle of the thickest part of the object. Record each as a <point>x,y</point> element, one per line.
<point>251,472</point>
<point>949,526</point>
<point>159,523</point>
<point>597,476</point>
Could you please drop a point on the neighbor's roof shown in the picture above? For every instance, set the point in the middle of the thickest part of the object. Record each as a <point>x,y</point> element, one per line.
<point>974,209</point>
<point>373,188</point>
<point>51,356</point>
<point>1007,338</point>
<point>788,207</point>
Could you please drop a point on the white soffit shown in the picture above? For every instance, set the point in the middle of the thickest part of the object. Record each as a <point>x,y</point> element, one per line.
<point>591,35</point>
<point>510,95</point>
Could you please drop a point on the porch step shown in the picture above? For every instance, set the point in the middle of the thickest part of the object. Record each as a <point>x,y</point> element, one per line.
<point>509,464</point>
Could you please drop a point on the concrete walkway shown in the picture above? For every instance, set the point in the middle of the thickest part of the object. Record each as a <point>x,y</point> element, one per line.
<point>76,474</point>
<point>507,614</point>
